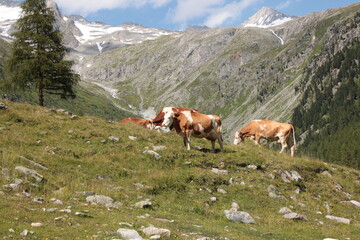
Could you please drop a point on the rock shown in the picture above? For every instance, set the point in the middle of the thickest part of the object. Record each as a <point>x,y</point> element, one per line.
<point>153,153</point>
<point>338,219</point>
<point>114,139</point>
<point>36,224</point>
<point>326,173</point>
<point>11,230</point>
<point>144,204</point>
<point>274,193</point>
<point>149,231</point>
<point>251,166</point>
<point>129,234</point>
<point>158,148</point>
<point>100,199</point>
<point>234,206</point>
<point>3,106</point>
<point>12,186</point>
<point>330,239</point>
<point>56,201</point>
<point>25,233</point>
<point>290,176</point>
<point>220,190</point>
<point>355,203</point>
<point>29,172</point>
<point>38,200</point>
<point>236,216</point>
<point>295,216</point>
<point>218,171</point>
<point>50,210</point>
<point>155,237</point>
<point>74,117</point>
<point>132,138</point>
<point>213,199</point>
<point>81,214</point>
<point>285,210</point>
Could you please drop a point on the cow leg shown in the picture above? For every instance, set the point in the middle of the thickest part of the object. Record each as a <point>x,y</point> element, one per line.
<point>187,140</point>
<point>213,146</point>
<point>283,144</point>
<point>221,143</point>
<point>257,139</point>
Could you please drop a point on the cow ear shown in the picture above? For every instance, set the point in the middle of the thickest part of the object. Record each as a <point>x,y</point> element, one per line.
<point>176,114</point>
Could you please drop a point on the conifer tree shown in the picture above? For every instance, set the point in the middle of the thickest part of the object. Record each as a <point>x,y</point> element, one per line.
<point>37,55</point>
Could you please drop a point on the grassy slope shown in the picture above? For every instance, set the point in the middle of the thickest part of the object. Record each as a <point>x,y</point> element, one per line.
<point>177,190</point>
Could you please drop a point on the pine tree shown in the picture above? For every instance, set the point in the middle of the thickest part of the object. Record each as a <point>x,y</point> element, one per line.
<point>37,55</point>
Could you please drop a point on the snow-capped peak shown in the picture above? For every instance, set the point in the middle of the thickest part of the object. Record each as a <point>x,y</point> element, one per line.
<point>267,17</point>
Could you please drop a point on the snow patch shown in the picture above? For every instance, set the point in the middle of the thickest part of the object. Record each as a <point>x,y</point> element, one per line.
<point>9,13</point>
<point>277,22</point>
<point>113,92</point>
<point>281,40</point>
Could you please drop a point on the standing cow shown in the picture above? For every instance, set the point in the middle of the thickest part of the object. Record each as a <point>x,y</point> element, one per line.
<point>193,123</point>
<point>164,118</point>
<point>269,130</point>
<point>147,123</point>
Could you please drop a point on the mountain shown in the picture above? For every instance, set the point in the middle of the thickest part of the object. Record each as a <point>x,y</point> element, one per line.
<point>71,177</point>
<point>267,17</point>
<point>80,35</point>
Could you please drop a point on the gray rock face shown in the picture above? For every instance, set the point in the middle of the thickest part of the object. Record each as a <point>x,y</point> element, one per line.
<point>237,216</point>
<point>129,234</point>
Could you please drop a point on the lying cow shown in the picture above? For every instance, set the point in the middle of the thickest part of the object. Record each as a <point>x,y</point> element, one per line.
<point>147,123</point>
<point>269,130</point>
<point>164,118</point>
<point>193,123</point>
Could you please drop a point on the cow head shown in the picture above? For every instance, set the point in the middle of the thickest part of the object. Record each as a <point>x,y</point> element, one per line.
<point>149,124</point>
<point>239,137</point>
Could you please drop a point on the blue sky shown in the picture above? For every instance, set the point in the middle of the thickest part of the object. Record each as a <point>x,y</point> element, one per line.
<point>178,14</point>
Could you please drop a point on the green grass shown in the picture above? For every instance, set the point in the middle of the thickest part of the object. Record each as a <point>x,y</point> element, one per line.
<point>76,156</point>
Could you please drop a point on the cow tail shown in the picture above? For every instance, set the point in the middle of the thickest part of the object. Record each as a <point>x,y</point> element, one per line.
<point>295,147</point>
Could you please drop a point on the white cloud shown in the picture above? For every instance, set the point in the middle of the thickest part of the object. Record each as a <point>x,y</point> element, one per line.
<point>231,12</point>
<point>283,5</point>
<point>215,12</point>
<point>89,6</point>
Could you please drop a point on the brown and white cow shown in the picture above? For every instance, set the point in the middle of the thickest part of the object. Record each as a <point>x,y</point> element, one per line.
<point>269,130</point>
<point>147,123</point>
<point>193,123</point>
<point>164,118</point>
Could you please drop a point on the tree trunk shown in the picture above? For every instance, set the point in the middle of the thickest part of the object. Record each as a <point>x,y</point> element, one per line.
<point>41,95</point>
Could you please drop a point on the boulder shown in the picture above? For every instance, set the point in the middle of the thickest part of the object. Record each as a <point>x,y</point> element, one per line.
<point>29,172</point>
<point>129,234</point>
<point>295,216</point>
<point>338,219</point>
<point>237,216</point>
<point>100,199</point>
<point>285,210</point>
<point>150,231</point>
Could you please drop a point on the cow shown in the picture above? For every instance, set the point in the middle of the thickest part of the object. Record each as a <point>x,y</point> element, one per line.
<point>147,123</point>
<point>269,130</point>
<point>193,123</point>
<point>164,118</point>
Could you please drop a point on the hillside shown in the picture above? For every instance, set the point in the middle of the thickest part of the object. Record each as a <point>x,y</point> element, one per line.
<point>240,73</point>
<point>184,193</point>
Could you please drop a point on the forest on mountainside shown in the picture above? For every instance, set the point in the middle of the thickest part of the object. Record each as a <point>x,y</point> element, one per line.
<point>329,113</point>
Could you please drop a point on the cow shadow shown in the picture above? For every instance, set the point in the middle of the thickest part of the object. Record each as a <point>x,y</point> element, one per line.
<point>208,150</point>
